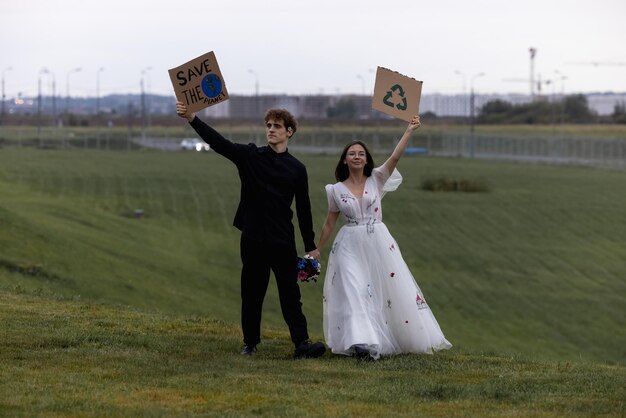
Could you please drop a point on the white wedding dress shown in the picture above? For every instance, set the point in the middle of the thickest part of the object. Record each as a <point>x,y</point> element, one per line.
<point>371,299</point>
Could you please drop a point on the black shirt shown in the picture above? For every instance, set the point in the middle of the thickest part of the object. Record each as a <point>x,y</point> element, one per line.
<point>269,183</point>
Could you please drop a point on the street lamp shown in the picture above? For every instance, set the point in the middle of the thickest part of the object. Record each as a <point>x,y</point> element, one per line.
<point>67,86</point>
<point>472,108</point>
<point>98,92</point>
<point>360,108</point>
<point>44,70</point>
<point>359,76</point>
<point>533,52</point>
<point>144,111</point>
<point>256,81</point>
<point>372,72</point>
<point>257,104</point>
<point>54,97</point>
<point>3,95</point>
<point>472,98</point>
<point>39,104</point>
<point>462,74</point>
<point>562,77</point>
<point>256,92</point>
<point>54,100</point>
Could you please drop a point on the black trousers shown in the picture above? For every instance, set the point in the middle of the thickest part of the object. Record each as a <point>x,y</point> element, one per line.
<point>258,259</point>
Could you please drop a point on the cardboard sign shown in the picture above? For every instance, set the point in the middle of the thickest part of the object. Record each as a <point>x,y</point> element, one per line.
<point>199,83</point>
<point>396,94</point>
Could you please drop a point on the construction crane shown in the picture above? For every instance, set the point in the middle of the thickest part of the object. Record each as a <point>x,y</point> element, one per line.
<point>536,85</point>
<point>598,63</point>
<point>531,80</point>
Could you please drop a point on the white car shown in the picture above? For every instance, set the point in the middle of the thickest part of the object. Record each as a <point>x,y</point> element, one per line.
<point>194,144</point>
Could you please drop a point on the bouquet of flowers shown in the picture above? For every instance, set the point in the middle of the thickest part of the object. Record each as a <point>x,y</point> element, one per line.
<point>308,269</point>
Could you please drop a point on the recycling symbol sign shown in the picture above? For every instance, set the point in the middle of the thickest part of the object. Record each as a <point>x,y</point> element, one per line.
<point>396,95</point>
<point>401,105</point>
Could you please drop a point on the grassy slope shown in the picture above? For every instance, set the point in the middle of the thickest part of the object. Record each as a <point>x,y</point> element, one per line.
<point>66,204</point>
<point>71,358</point>
<point>533,267</point>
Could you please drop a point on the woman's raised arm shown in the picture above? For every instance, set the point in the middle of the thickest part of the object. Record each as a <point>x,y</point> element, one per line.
<point>392,161</point>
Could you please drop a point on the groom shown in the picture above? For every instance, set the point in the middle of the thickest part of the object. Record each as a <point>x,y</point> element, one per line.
<point>270,180</point>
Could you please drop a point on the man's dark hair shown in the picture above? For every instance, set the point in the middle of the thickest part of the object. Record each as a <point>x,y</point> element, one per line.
<point>282,114</point>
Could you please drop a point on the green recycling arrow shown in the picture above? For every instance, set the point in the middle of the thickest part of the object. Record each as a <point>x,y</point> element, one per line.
<point>389,95</point>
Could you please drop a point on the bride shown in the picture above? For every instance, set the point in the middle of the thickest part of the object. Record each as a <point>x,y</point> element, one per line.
<point>372,304</point>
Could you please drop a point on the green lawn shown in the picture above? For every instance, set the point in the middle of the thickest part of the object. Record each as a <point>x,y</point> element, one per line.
<point>61,358</point>
<point>533,267</point>
<point>104,314</point>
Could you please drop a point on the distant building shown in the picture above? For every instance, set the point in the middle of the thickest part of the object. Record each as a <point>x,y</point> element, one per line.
<point>302,106</point>
<point>316,107</point>
<point>306,106</point>
<point>604,103</point>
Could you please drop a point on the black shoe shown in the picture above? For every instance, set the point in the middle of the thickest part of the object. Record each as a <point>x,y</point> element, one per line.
<point>362,354</point>
<point>248,350</point>
<point>306,349</point>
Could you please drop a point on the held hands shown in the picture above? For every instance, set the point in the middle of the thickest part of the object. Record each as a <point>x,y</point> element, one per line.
<point>315,254</point>
<point>181,110</point>
<point>414,124</point>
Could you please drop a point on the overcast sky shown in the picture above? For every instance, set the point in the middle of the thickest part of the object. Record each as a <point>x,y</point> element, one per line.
<point>309,47</point>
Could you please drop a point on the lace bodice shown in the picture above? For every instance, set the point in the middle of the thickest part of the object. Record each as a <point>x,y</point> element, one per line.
<point>366,210</point>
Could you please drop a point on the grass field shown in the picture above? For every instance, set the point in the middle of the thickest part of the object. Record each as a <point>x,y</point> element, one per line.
<point>527,281</point>
<point>64,358</point>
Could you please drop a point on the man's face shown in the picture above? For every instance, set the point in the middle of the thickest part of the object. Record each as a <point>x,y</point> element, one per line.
<point>275,132</point>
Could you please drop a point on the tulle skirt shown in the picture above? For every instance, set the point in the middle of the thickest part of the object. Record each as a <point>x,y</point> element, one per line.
<point>371,299</point>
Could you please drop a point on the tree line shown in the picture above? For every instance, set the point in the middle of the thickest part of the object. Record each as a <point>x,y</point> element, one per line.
<point>570,109</point>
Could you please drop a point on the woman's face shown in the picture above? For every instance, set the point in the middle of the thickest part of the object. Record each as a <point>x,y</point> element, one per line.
<point>356,158</point>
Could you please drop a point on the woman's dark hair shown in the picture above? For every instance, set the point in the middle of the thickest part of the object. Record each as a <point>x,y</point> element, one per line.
<point>342,172</point>
<point>283,114</point>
